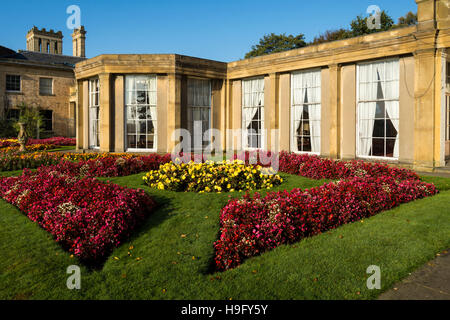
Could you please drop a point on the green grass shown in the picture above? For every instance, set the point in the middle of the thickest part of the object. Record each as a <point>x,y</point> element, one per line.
<point>329,266</point>
<point>62,148</point>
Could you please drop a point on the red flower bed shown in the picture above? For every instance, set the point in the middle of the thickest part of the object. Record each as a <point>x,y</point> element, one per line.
<point>253,225</point>
<point>314,167</point>
<point>55,141</point>
<point>111,166</point>
<point>87,217</point>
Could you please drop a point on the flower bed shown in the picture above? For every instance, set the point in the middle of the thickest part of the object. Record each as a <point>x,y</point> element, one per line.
<point>103,164</point>
<point>253,225</point>
<point>111,166</point>
<point>211,177</point>
<point>54,141</point>
<point>10,162</point>
<point>87,217</point>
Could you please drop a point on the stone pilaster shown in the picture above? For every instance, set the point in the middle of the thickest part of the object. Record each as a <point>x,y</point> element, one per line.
<point>424,109</point>
<point>334,109</point>
<point>119,114</point>
<point>173,111</point>
<point>84,106</point>
<point>106,114</point>
<point>284,112</point>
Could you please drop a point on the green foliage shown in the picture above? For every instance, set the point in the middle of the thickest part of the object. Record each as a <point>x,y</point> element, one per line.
<point>272,43</point>
<point>408,19</point>
<point>7,129</point>
<point>32,119</point>
<point>359,25</point>
<point>277,43</point>
<point>332,35</point>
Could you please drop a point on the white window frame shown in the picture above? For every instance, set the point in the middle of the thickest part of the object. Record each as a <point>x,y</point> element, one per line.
<point>293,136</point>
<point>92,105</point>
<point>358,154</point>
<point>262,134</point>
<point>190,110</point>
<point>155,135</point>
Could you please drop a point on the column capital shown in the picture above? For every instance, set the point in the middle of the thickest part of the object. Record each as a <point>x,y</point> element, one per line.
<point>104,76</point>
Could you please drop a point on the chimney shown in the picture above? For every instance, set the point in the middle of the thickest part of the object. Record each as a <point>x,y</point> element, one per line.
<point>79,42</point>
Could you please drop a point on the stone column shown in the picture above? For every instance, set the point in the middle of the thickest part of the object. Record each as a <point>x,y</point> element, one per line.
<point>234,141</point>
<point>218,109</point>
<point>84,106</point>
<point>426,14</point>
<point>325,121</point>
<point>284,112</point>
<point>424,112</point>
<point>119,114</point>
<point>161,113</point>
<point>79,116</point>
<point>348,113</point>
<point>106,114</point>
<point>440,107</point>
<point>406,111</point>
<point>334,109</point>
<point>173,111</point>
<point>270,109</point>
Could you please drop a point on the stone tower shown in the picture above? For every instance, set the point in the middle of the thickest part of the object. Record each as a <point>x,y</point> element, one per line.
<point>79,42</point>
<point>44,41</point>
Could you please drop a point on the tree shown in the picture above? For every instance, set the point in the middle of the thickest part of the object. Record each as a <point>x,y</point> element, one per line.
<point>32,119</point>
<point>408,19</point>
<point>332,35</point>
<point>359,25</point>
<point>272,43</point>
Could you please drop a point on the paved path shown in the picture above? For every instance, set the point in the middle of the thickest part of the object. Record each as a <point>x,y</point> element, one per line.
<point>431,282</point>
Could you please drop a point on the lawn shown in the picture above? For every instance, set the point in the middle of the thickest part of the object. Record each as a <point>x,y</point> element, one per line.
<point>176,253</point>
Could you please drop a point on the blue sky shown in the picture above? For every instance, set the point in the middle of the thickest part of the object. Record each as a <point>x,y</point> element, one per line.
<point>219,30</point>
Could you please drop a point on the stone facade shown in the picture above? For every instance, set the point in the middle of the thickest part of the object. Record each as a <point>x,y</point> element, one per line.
<point>59,102</point>
<point>43,60</point>
<point>421,52</point>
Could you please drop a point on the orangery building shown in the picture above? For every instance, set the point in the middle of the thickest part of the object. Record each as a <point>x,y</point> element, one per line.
<point>383,96</point>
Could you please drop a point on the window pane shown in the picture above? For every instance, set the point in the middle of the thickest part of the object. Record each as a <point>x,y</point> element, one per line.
<point>390,144</point>
<point>150,127</point>
<point>141,142</point>
<point>378,128</point>
<point>150,142</point>
<point>12,83</point>
<point>378,147</point>
<point>131,143</point>
<point>131,126</point>
<point>45,86</point>
<point>306,144</point>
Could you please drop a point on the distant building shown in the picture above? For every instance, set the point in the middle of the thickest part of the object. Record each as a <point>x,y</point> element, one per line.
<point>42,77</point>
